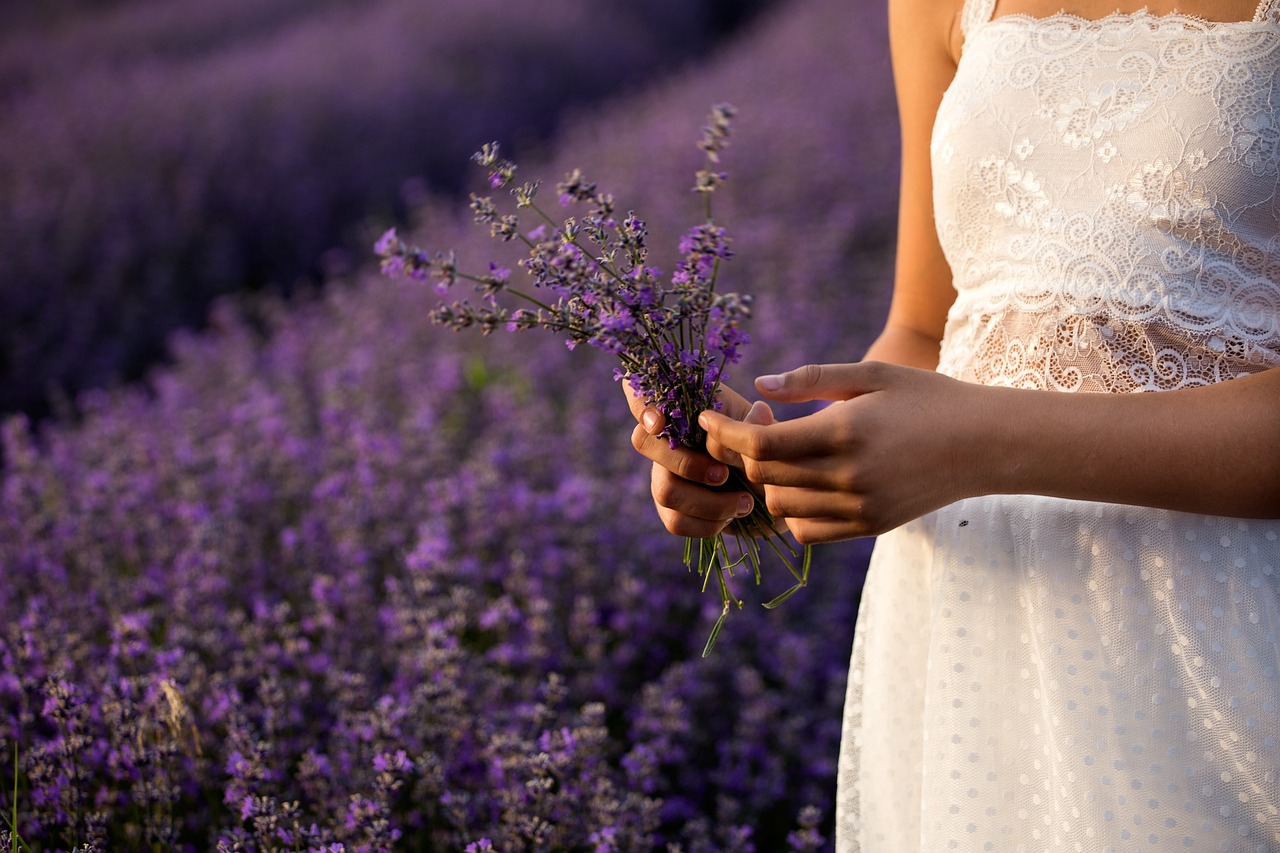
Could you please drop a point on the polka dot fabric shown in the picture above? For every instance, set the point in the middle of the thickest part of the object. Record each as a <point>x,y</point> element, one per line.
<point>1034,674</point>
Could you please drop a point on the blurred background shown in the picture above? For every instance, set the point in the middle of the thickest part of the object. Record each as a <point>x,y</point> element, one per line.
<point>287,567</point>
<point>155,154</point>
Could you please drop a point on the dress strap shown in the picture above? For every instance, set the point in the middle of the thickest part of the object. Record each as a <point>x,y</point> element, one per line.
<point>1267,10</point>
<point>978,12</point>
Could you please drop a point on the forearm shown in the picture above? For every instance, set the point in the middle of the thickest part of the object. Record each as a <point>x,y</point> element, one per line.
<point>1213,450</point>
<point>900,344</point>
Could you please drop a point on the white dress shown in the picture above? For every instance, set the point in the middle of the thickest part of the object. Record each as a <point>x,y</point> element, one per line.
<point>1035,674</point>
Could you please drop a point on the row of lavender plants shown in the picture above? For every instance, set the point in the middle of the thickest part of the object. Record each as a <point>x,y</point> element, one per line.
<point>157,153</point>
<point>341,580</point>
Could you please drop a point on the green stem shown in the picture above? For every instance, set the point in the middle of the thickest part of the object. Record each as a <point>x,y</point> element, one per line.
<point>800,583</point>
<point>574,242</point>
<point>15,840</point>
<point>715,631</point>
<point>479,280</point>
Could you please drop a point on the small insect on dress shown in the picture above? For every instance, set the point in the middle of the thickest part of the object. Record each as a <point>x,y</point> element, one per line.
<point>1038,674</point>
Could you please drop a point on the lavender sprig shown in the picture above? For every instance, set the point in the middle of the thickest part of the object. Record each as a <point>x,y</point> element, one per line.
<point>673,336</point>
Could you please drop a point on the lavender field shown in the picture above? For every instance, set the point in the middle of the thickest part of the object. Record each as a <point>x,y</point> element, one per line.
<point>155,154</point>
<point>336,579</point>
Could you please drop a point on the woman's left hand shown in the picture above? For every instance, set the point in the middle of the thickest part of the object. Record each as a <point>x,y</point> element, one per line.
<point>897,443</point>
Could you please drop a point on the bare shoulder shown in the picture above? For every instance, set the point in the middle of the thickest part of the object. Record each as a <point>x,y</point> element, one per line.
<point>925,42</point>
<point>929,25</point>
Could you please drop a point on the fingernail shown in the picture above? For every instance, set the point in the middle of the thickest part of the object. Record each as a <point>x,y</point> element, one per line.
<point>717,474</point>
<point>649,419</point>
<point>771,382</point>
<point>745,503</point>
<point>702,420</point>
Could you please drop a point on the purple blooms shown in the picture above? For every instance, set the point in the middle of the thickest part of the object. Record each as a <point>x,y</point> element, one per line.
<point>155,155</point>
<point>674,338</point>
<point>329,534</point>
<point>386,243</point>
<point>601,290</point>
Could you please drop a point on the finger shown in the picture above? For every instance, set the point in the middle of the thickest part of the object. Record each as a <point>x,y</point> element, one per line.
<point>649,416</point>
<point>815,531</point>
<point>732,404</point>
<point>759,413</point>
<point>727,456</point>
<point>822,382</point>
<point>795,439</point>
<point>681,461</point>
<point>799,503</point>
<point>692,528</point>
<point>653,420</point>
<point>692,510</point>
<point>818,473</point>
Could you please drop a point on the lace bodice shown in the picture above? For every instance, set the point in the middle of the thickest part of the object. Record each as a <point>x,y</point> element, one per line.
<point>1034,673</point>
<point>1106,193</point>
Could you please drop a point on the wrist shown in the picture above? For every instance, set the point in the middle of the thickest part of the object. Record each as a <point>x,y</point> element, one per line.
<point>1046,442</point>
<point>981,442</point>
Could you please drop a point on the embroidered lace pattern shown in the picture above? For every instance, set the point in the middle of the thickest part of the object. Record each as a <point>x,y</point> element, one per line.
<point>1106,194</point>
<point>1035,674</point>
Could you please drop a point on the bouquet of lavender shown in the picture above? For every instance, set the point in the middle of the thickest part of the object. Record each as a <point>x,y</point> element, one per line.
<point>673,337</point>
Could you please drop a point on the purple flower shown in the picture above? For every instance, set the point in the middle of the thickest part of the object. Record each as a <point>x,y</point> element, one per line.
<point>499,273</point>
<point>350,538</point>
<point>386,243</point>
<point>398,762</point>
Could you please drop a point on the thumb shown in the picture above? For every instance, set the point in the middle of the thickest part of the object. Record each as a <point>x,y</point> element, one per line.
<point>818,382</point>
<point>760,414</point>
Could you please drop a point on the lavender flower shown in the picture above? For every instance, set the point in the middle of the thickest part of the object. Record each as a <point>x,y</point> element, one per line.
<point>338,536</point>
<point>268,128</point>
<point>674,337</point>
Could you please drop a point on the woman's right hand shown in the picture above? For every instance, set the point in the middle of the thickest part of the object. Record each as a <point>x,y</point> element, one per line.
<point>684,481</point>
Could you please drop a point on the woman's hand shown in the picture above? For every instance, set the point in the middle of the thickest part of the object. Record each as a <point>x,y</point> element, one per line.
<point>897,443</point>
<point>684,482</point>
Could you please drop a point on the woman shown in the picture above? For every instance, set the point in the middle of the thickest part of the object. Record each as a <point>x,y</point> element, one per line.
<point>1070,633</point>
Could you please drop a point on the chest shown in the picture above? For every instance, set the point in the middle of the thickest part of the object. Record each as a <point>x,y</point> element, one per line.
<point>1090,107</point>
